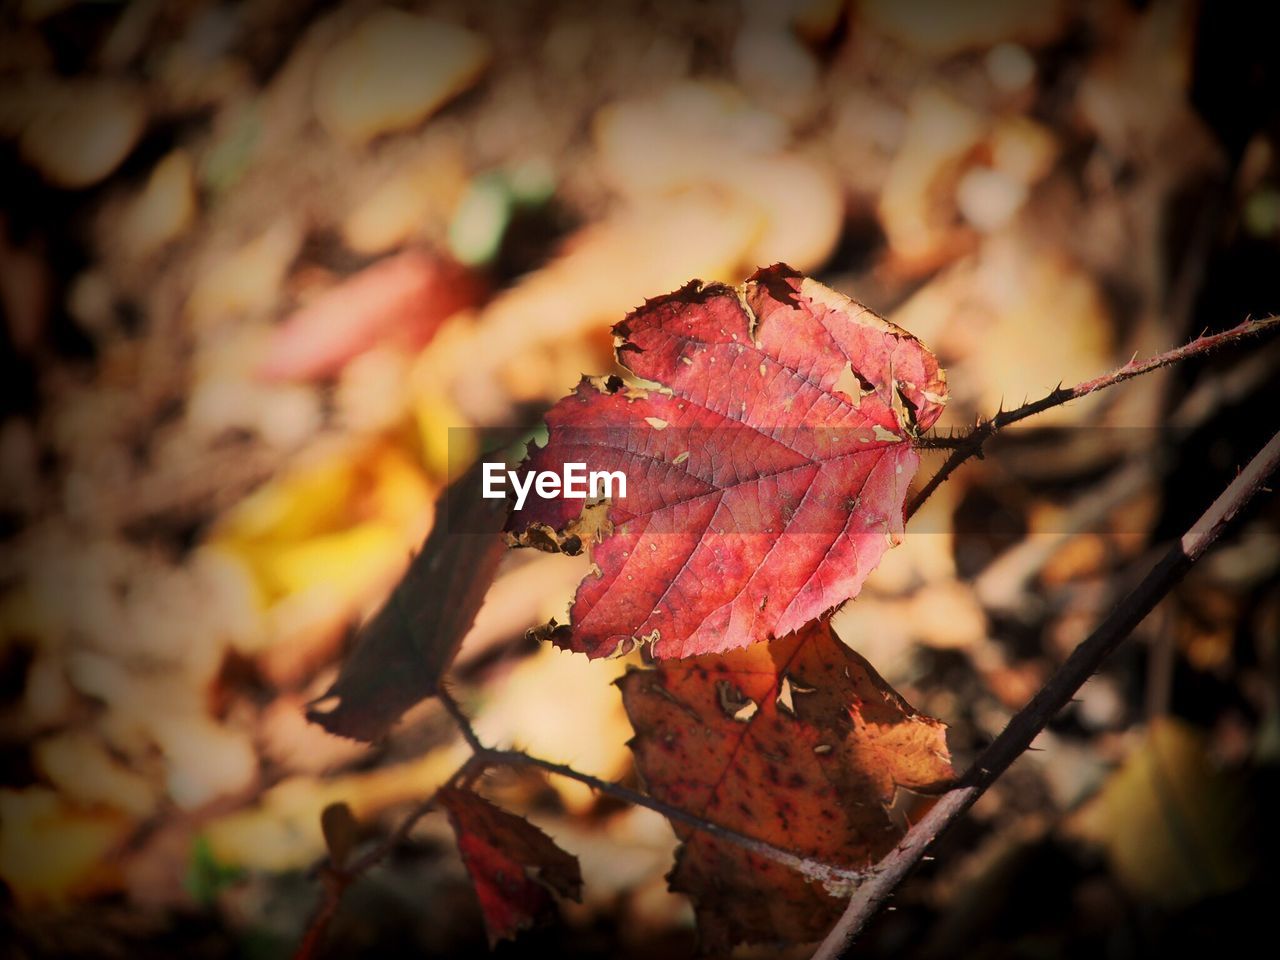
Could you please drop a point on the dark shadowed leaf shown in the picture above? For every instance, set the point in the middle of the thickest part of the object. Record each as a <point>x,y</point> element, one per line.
<point>513,865</point>
<point>402,652</point>
<point>338,824</point>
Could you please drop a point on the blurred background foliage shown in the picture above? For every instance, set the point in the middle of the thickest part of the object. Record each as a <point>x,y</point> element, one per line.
<point>257,259</point>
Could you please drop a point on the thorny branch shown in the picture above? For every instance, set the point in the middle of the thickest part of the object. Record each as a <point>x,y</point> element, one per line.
<point>969,445</point>
<point>1062,686</point>
<point>337,878</point>
<point>878,884</point>
<point>488,756</point>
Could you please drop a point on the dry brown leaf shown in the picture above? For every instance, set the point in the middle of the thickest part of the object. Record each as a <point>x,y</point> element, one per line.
<point>798,742</point>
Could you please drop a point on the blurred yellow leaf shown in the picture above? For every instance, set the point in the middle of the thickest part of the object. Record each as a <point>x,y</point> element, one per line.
<point>348,522</point>
<point>283,832</point>
<point>79,765</point>
<point>295,505</point>
<point>1175,828</point>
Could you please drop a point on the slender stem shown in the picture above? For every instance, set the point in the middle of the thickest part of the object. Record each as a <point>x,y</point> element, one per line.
<point>461,721</point>
<point>1016,738</point>
<point>490,756</point>
<point>318,925</point>
<point>970,445</point>
<point>935,441</point>
<point>338,878</point>
<point>402,830</point>
<point>1031,719</point>
<point>808,867</point>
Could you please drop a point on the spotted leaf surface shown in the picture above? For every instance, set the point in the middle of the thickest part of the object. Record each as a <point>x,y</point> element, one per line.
<point>799,743</point>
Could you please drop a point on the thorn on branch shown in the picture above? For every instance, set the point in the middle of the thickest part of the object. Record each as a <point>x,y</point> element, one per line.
<point>1022,729</point>
<point>972,445</point>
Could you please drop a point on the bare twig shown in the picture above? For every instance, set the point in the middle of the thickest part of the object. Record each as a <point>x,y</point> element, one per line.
<point>880,883</point>
<point>818,870</point>
<point>936,441</point>
<point>318,925</point>
<point>337,878</point>
<point>461,721</point>
<point>1023,728</point>
<point>489,756</point>
<point>402,830</point>
<point>969,446</point>
<point>1003,581</point>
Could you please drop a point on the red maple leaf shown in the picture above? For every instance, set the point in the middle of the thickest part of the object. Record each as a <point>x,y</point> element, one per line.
<point>766,473</point>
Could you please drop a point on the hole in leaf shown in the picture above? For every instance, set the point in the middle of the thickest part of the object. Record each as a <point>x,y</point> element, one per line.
<point>734,702</point>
